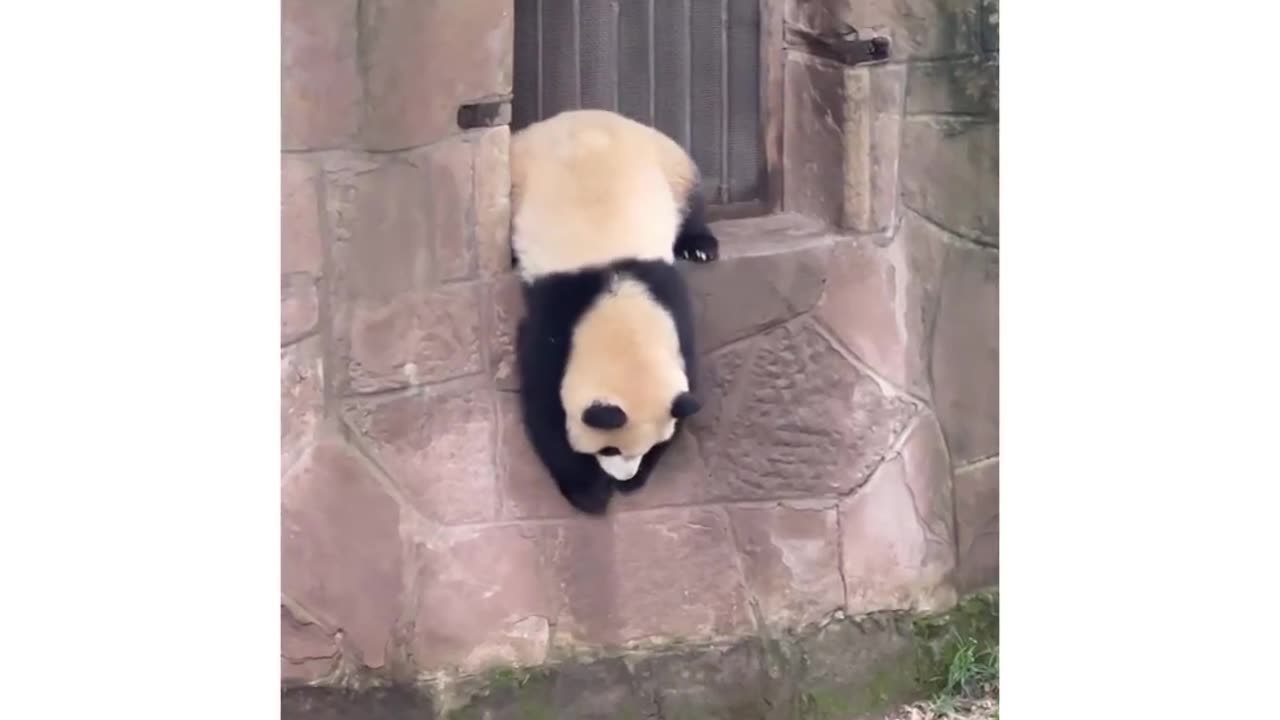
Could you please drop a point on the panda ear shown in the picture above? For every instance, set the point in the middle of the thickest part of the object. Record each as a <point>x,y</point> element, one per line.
<point>603,416</point>
<point>684,405</point>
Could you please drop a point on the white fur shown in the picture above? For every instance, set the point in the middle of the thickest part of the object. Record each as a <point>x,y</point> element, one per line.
<point>620,467</point>
<point>589,187</point>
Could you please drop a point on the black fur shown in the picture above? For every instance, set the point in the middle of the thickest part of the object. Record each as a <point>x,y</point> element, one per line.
<point>684,405</point>
<point>603,416</point>
<point>554,305</point>
<point>695,241</point>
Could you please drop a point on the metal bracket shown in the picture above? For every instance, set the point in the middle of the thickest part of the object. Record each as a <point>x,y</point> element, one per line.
<point>489,113</point>
<point>844,47</point>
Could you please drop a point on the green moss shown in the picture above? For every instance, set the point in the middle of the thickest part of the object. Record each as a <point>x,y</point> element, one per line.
<point>849,668</point>
<point>528,689</point>
<point>958,652</point>
<point>890,684</point>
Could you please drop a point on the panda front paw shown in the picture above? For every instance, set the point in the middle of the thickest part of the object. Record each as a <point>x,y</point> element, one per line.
<point>702,248</point>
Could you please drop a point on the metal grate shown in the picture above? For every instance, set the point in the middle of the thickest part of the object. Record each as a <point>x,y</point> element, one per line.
<point>689,67</point>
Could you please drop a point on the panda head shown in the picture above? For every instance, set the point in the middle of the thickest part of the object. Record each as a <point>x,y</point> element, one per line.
<point>620,441</point>
<point>624,388</point>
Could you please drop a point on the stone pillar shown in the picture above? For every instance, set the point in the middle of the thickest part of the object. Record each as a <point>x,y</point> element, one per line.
<point>394,243</point>
<point>906,153</point>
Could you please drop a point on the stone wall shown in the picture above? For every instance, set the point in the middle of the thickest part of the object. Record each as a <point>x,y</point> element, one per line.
<point>847,457</point>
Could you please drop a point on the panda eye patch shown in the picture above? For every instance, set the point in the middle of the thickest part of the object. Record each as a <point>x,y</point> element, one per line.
<point>609,451</point>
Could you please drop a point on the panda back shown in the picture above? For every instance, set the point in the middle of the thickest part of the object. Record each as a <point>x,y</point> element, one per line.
<point>592,187</point>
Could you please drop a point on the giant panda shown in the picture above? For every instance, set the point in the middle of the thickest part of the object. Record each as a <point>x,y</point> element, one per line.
<point>602,206</point>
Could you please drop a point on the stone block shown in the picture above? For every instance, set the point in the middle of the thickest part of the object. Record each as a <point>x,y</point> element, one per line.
<point>801,420</point>
<point>791,558</point>
<point>415,338</point>
<point>299,307</point>
<point>506,305</point>
<point>897,530</point>
<point>742,294</point>
<point>320,85</point>
<point>989,32</point>
<point>487,599</point>
<point>307,651</point>
<point>858,669</point>
<point>493,200</point>
<point>394,702</point>
<point>873,131</point>
<point>340,548</point>
<point>426,58</point>
<point>951,174</point>
<point>719,683</point>
<point>968,86</point>
<point>978,525</point>
<point>438,446</point>
<point>400,222</point>
<point>301,398</point>
<point>880,302</point>
<point>966,353</point>
<point>448,169</point>
<point>819,16</point>
<point>813,138</point>
<point>918,29</point>
<point>302,249</point>
<point>645,576</point>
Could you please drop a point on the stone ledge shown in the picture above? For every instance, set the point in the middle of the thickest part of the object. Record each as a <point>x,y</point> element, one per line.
<point>841,669</point>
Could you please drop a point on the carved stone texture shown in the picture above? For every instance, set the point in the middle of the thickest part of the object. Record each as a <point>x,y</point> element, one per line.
<point>438,447</point>
<point>340,548</point>
<point>791,557</point>
<point>807,422</point>
<point>897,531</point>
<point>417,337</point>
<point>320,85</point>
<point>880,302</point>
<point>742,294</point>
<point>718,389</point>
<point>918,28</point>
<point>951,174</point>
<point>493,200</point>
<point>813,138</point>
<point>299,307</point>
<point>487,599</point>
<point>978,525</point>
<point>968,86</point>
<point>307,651</point>
<point>301,244</point>
<point>301,398</point>
<point>424,59</point>
<point>873,131</point>
<point>966,353</point>
<point>659,574</point>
